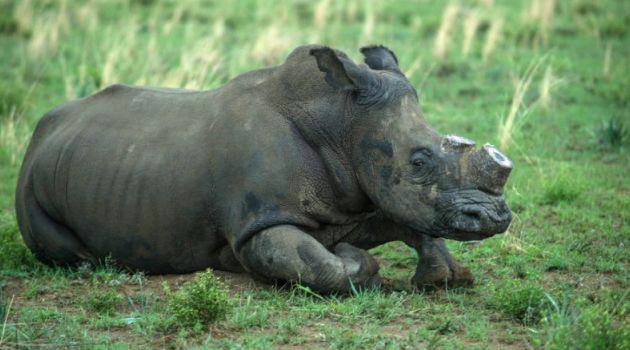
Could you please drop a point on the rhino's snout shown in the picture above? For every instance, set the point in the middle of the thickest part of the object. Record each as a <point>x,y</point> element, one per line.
<point>479,221</point>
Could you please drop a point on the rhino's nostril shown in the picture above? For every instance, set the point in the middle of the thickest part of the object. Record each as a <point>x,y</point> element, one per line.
<point>491,191</point>
<point>472,214</point>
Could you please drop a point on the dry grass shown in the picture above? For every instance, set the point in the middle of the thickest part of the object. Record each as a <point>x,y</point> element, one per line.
<point>14,135</point>
<point>72,82</point>
<point>541,13</point>
<point>271,44</point>
<point>5,321</point>
<point>122,48</point>
<point>23,15</point>
<point>49,29</point>
<point>471,23</point>
<point>492,38</point>
<point>545,88</point>
<point>444,33</point>
<point>320,16</point>
<point>198,65</point>
<point>607,60</point>
<point>507,126</point>
<point>89,44</point>
<point>414,67</point>
<point>351,11</point>
<point>87,16</point>
<point>368,25</point>
<point>176,17</point>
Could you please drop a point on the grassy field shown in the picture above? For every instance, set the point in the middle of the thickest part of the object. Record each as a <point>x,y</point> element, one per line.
<point>547,81</point>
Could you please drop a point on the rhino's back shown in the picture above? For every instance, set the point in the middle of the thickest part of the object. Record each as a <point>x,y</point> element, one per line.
<point>126,170</point>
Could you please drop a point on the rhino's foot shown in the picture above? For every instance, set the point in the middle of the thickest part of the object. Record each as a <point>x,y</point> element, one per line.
<point>286,253</point>
<point>362,268</point>
<point>438,269</point>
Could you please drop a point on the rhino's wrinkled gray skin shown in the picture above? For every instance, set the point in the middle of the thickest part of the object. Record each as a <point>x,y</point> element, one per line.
<point>288,173</point>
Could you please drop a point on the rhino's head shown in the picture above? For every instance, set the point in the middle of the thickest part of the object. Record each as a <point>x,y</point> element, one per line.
<point>437,185</point>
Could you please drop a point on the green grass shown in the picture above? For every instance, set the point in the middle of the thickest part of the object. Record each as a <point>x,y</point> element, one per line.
<point>557,279</point>
<point>100,301</point>
<point>524,302</point>
<point>199,301</point>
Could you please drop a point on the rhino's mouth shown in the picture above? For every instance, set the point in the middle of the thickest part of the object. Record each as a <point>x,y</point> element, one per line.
<point>477,220</point>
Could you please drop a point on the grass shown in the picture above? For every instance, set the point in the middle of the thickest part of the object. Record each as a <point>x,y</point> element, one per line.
<point>546,80</point>
<point>101,301</point>
<point>199,301</point>
<point>524,302</point>
<point>612,134</point>
<point>571,325</point>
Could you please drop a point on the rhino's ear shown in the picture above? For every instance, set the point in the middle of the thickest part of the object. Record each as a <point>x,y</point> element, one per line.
<point>380,58</point>
<point>341,73</point>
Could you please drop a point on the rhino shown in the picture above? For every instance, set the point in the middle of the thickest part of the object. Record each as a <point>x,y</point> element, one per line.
<point>288,173</point>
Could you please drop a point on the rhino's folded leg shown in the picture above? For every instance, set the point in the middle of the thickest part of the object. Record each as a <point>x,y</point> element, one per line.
<point>437,267</point>
<point>287,253</point>
<point>367,276</point>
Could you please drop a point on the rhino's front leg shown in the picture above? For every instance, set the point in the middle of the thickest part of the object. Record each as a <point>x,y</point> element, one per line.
<point>288,253</point>
<point>437,267</point>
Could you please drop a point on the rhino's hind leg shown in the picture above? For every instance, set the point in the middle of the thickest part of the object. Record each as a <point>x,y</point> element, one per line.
<point>50,241</point>
<point>438,268</point>
<point>287,253</point>
<point>227,261</point>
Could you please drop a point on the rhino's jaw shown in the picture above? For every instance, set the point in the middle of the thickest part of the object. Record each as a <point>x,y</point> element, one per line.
<point>474,215</point>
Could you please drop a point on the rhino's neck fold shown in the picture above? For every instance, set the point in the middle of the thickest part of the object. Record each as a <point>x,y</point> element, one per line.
<point>318,113</point>
<point>323,127</point>
<point>350,195</point>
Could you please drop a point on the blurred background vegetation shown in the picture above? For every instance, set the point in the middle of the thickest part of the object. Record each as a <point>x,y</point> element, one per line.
<point>546,81</point>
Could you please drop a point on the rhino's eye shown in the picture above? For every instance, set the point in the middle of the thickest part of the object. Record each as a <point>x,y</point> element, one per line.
<point>418,162</point>
<point>420,157</point>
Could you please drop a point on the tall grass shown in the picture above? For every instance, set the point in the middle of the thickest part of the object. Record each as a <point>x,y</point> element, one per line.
<point>492,38</point>
<point>540,14</point>
<point>443,36</point>
<point>368,25</point>
<point>471,24</point>
<point>320,15</point>
<point>271,44</point>
<point>14,136</point>
<point>607,60</point>
<point>574,324</point>
<point>508,126</point>
<point>4,317</point>
<point>47,30</point>
<point>69,49</point>
<point>547,86</point>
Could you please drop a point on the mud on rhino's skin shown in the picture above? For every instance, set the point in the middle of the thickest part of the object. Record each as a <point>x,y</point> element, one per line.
<point>287,172</point>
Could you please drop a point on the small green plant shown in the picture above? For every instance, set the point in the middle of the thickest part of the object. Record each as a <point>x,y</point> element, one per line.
<point>523,301</point>
<point>4,306</point>
<point>199,301</point>
<point>101,301</point>
<point>613,26</point>
<point>13,253</point>
<point>592,327</point>
<point>11,96</point>
<point>8,24</point>
<point>562,186</point>
<point>612,133</point>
